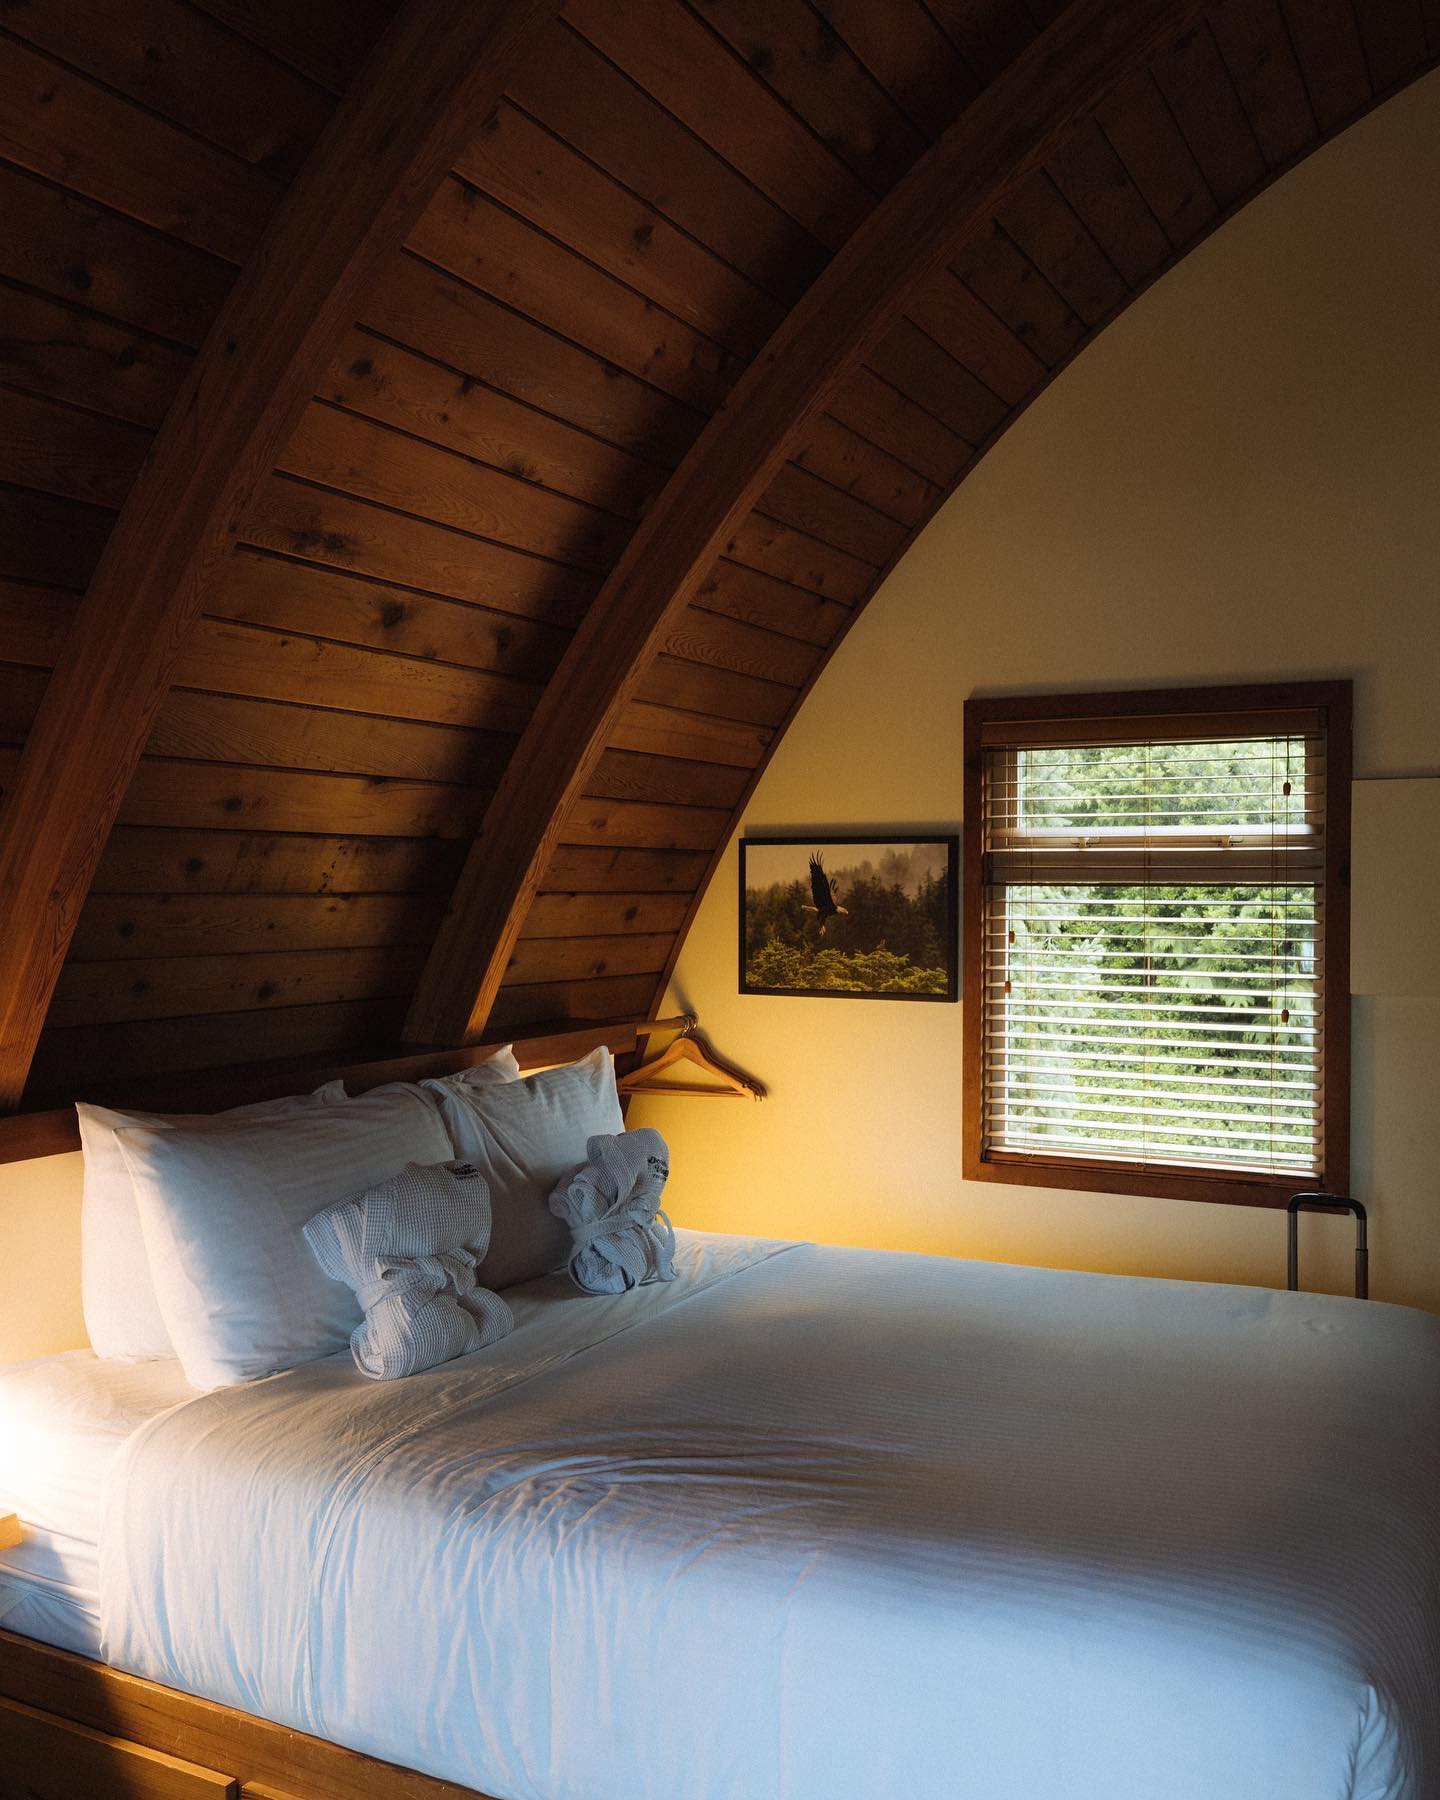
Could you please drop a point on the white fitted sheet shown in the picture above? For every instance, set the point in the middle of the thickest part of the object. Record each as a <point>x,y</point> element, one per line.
<point>49,1589</point>
<point>817,1522</point>
<point>62,1420</point>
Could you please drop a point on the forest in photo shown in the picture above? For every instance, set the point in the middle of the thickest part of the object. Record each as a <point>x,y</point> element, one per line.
<point>848,918</point>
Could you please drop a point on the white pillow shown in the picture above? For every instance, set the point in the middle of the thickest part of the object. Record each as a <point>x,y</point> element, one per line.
<point>122,1315</point>
<point>502,1066</point>
<point>222,1205</point>
<point>523,1136</point>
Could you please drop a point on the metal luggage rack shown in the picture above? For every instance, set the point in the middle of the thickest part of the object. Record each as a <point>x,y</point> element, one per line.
<point>1330,1203</point>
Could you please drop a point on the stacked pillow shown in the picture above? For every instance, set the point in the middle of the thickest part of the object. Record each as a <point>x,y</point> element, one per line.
<point>222,1204</point>
<point>195,1229</point>
<point>122,1315</point>
<point>523,1136</point>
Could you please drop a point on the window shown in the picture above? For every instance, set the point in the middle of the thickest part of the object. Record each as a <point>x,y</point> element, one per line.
<point>1157,941</point>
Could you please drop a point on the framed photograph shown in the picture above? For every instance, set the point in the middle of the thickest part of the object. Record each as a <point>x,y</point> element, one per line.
<point>850,918</point>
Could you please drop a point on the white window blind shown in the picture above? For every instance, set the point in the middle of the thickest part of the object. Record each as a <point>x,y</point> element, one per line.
<point>1152,943</point>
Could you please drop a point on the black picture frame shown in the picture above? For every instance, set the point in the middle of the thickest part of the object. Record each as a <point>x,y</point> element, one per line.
<point>898,919</point>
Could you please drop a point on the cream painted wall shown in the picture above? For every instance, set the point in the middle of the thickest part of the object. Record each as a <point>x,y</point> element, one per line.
<point>40,1257</point>
<point>1239,480</point>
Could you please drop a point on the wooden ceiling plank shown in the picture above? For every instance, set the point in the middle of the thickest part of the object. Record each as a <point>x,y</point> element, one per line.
<point>929,376</point>
<point>437,72</point>
<point>1041,221</point>
<point>748,649</point>
<point>667,780</point>
<point>586,958</point>
<point>88,1055</point>
<point>999,139</point>
<point>66,353</point>
<point>579,869</point>
<point>336,449</point>
<point>642,825</point>
<point>908,55</point>
<point>82,253</point>
<point>672,56</point>
<point>147,860</point>
<point>34,621</point>
<point>122,927</point>
<point>580,96</point>
<point>994,267</point>
<point>667,731</point>
<point>20,690</point>
<point>57,124</point>
<point>1197,87</point>
<point>866,404</point>
<point>231,796</point>
<point>279,735</point>
<point>49,540</point>
<point>577,915</point>
<point>325,40</point>
<point>178,62</point>
<point>960,322</point>
<point>720,693</point>
<point>799,57</point>
<point>318,525</point>
<point>798,496</point>
<point>508,259</point>
<point>523,167</point>
<point>398,387</point>
<point>852,463</point>
<point>775,548</point>
<point>1092,178</point>
<point>433,310</point>
<point>167,987</point>
<point>755,599</point>
<point>1255,44</point>
<point>1332,60</point>
<point>1393,34</point>
<point>1143,133</point>
<point>563,1002</point>
<point>990,34</point>
<point>227,658</point>
<point>258,589</point>
<point>56,449</point>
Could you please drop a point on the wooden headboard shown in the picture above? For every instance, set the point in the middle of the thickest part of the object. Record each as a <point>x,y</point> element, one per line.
<point>53,1131</point>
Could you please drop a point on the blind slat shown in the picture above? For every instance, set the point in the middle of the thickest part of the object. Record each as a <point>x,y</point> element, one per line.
<point>1151,977</point>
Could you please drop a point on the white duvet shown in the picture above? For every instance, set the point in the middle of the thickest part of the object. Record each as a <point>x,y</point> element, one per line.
<point>816,1523</point>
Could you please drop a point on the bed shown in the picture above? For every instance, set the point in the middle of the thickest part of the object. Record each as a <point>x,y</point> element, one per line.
<point>811,1521</point>
<point>63,1420</point>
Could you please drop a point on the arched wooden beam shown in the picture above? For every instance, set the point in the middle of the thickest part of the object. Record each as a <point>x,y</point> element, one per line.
<point>431,82</point>
<point>999,139</point>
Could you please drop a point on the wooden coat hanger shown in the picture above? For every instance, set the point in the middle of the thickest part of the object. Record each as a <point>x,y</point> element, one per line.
<point>690,1047</point>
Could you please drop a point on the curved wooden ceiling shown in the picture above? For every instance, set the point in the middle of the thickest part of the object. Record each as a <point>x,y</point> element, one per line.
<point>537,392</point>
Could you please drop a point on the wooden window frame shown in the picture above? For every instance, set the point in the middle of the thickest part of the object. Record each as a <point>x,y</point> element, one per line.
<point>1158,708</point>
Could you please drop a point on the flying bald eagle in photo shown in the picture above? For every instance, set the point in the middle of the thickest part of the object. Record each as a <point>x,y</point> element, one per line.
<point>823,889</point>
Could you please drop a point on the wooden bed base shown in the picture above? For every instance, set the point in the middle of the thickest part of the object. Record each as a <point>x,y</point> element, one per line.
<point>73,1729</point>
<point>54,1131</point>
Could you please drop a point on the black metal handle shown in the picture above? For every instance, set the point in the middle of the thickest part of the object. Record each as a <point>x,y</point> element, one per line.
<point>1330,1203</point>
